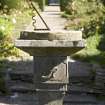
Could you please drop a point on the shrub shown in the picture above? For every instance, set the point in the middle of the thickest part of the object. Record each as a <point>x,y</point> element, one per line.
<point>14,19</point>
<point>64,4</point>
<point>80,7</point>
<point>6,28</point>
<point>90,25</point>
<point>8,5</point>
<point>6,37</point>
<point>88,16</point>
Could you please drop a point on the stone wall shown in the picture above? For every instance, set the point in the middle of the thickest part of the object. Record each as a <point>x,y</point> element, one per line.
<point>99,81</point>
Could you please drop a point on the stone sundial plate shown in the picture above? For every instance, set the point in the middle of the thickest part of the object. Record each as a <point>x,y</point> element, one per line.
<point>57,43</point>
<point>51,35</point>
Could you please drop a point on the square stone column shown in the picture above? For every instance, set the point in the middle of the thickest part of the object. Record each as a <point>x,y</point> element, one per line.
<point>50,79</point>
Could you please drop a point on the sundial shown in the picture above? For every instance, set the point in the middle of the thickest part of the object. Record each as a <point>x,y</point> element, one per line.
<point>50,50</point>
<point>31,5</point>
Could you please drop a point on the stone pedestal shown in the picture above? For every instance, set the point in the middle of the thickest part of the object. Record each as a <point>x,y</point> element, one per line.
<point>50,50</point>
<point>50,79</point>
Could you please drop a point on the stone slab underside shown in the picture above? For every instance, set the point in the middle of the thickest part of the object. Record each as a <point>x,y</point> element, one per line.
<point>45,47</point>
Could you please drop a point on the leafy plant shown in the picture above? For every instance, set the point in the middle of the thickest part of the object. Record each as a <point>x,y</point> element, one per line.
<point>6,28</point>
<point>88,16</point>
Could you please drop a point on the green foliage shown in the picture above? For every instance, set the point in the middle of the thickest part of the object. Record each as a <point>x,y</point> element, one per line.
<point>64,4</point>
<point>6,28</point>
<point>88,16</point>
<point>15,19</point>
<point>8,24</point>
<point>80,7</point>
<point>89,25</point>
<point>10,3</point>
<point>41,3</point>
<point>90,53</point>
<point>7,6</point>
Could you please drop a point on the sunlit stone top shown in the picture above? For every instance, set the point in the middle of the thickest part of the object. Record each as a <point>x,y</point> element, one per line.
<point>43,43</point>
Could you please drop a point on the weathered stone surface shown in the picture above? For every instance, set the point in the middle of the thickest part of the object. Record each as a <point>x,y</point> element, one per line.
<point>19,99</point>
<point>50,79</point>
<point>50,70</point>
<point>52,35</point>
<point>50,51</point>
<point>80,99</point>
<point>47,43</point>
<point>28,100</point>
<point>79,89</point>
<point>46,48</point>
<point>82,104</point>
<point>79,71</point>
<point>100,80</point>
<point>22,76</point>
<point>78,68</point>
<point>50,98</point>
<point>22,87</point>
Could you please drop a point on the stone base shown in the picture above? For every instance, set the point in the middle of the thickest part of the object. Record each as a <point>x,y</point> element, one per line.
<point>50,98</point>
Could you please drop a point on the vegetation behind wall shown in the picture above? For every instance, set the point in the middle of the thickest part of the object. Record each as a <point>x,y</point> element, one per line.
<point>88,16</point>
<point>12,13</point>
<point>64,3</point>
